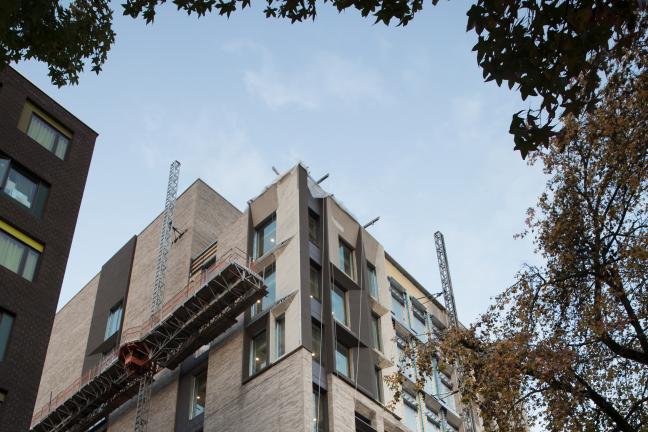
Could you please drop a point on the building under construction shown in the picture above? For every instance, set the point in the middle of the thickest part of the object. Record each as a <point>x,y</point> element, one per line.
<point>282,317</point>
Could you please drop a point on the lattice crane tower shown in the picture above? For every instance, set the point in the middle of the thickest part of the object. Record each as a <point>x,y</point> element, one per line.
<point>451,308</point>
<point>144,393</point>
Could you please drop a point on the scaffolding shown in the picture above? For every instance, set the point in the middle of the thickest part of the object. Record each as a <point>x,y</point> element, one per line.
<point>200,312</point>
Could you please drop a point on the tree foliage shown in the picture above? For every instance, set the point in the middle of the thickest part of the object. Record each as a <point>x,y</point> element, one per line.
<point>558,51</point>
<point>567,344</point>
<point>64,37</point>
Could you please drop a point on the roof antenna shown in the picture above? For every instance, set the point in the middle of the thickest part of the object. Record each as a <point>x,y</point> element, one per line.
<point>322,179</point>
<point>275,170</point>
<point>367,225</point>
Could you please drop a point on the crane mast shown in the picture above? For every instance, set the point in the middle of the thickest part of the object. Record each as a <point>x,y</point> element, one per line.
<point>144,393</point>
<point>451,309</point>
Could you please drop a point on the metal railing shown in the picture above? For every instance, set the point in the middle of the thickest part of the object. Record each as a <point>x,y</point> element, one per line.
<point>232,256</point>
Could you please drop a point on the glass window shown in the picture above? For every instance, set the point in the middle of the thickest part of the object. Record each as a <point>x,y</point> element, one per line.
<point>346,259</point>
<point>319,413</point>
<point>405,364</point>
<point>198,395</point>
<point>258,352</point>
<point>280,336</point>
<point>269,299</point>
<point>375,332</point>
<point>339,305</point>
<point>379,383</point>
<point>114,320</point>
<point>3,397</point>
<point>22,187</point>
<point>432,421</point>
<point>410,412</point>
<point>342,363</point>
<point>6,322</point>
<point>265,237</point>
<point>418,321</point>
<point>315,282</point>
<point>313,227</point>
<point>4,167</point>
<point>317,341</point>
<point>16,255</point>
<point>373,281</point>
<point>429,386</point>
<point>446,394</point>
<point>48,136</point>
<point>398,306</point>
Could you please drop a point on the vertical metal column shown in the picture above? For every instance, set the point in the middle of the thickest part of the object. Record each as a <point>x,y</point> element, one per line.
<point>451,307</point>
<point>165,237</point>
<point>143,402</point>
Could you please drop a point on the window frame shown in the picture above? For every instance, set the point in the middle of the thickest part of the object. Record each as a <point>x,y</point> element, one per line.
<point>342,246</point>
<point>349,374</point>
<point>374,289</point>
<point>259,235</point>
<point>5,341</point>
<point>376,332</point>
<point>314,222</point>
<point>41,191</point>
<point>316,327</point>
<point>319,410</point>
<point>28,244</point>
<point>414,406</point>
<point>269,299</point>
<point>315,268</point>
<point>379,384</point>
<point>192,399</point>
<point>400,298</point>
<point>57,130</point>
<point>280,336</point>
<point>119,306</point>
<point>345,298</point>
<point>253,369</point>
<point>418,315</point>
<point>430,417</point>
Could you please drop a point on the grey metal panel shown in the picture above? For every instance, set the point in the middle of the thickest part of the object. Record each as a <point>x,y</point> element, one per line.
<point>113,287</point>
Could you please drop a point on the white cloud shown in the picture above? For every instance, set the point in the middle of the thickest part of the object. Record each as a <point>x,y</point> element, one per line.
<point>323,79</point>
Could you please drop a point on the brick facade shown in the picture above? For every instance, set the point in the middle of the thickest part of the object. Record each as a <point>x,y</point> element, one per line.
<point>279,397</point>
<point>33,303</point>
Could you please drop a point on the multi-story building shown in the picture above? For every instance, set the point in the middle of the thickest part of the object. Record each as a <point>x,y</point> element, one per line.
<point>45,155</point>
<point>309,356</point>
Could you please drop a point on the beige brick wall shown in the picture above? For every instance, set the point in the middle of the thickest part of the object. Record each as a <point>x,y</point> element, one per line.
<point>214,216</point>
<point>206,216</point>
<point>67,346</point>
<point>343,401</point>
<point>278,400</point>
<point>162,412</point>
<point>138,304</point>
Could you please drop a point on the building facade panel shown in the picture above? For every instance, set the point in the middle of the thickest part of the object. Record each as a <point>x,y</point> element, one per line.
<point>40,196</point>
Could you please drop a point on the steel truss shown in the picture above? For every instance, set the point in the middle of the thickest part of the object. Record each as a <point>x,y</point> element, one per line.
<point>205,314</point>
<point>451,308</point>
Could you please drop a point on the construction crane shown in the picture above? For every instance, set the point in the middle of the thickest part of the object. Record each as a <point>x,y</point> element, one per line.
<point>451,309</point>
<point>144,392</point>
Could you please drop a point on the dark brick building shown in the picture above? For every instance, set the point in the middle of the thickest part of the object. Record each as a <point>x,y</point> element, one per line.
<point>45,155</point>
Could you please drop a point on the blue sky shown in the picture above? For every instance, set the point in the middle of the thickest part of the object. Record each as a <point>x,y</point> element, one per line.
<point>400,118</point>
